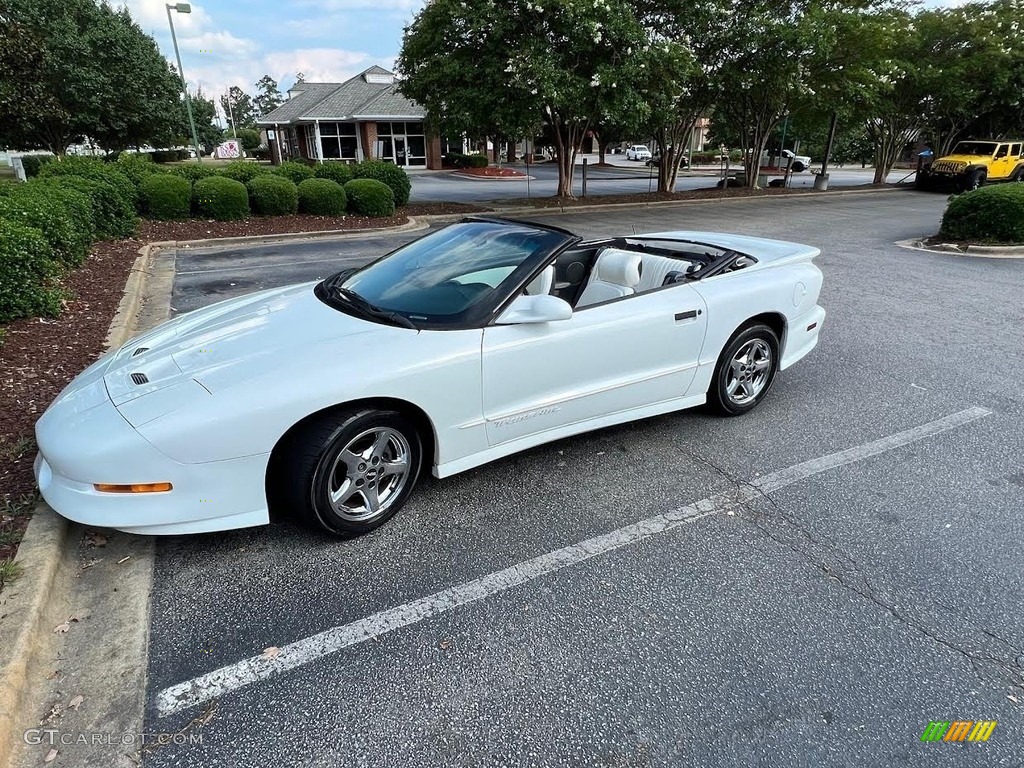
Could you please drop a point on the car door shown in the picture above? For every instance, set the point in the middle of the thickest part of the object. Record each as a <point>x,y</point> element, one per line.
<point>606,359</point>
<point>1003,165</point>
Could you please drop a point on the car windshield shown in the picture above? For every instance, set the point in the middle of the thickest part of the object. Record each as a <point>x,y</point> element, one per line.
<point>640,148</point>
<point>978,148</point>
<point>457,275</point>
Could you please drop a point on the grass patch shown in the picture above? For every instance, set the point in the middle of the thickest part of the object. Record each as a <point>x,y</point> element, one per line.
<point>9,572</point>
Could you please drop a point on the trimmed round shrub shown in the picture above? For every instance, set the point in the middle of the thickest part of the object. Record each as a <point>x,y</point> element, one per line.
<point>240,170</point>
<point>219,198</point>
<point>335,171</point>
<point>272,195</point>
<point>113,215</point>
<point>28,274</point>
<point>294,171</point>
<point>34,163</point>
<point>322,197</point>
<point>370,197</point>
<point>389,173</point>
<point>986,215</point>
<point>91,168</point>
<point>137,166</point>
<point>193,171</point>
<point>63,215</point>
<point>166,196</point>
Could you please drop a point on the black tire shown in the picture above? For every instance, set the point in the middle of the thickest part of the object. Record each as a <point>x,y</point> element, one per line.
<point>922,183</point>
<point>972,180</point>
<point>719,398</point>
<point>312,467</point>
<point>797,167</point>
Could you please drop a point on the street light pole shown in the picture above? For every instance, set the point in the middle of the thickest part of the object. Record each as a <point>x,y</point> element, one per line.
<point>184,8</point>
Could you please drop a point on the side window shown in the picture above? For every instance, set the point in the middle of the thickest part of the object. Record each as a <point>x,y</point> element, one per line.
<point>1015,150</point>
<point>1003,150</point>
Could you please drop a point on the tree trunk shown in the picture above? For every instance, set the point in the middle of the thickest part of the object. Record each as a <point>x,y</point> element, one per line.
<point>511,151</point>
<point>566,136</point>
<point>600,150</point>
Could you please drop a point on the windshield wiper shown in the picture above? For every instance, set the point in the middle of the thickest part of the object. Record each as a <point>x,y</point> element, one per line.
<point>367,309</point>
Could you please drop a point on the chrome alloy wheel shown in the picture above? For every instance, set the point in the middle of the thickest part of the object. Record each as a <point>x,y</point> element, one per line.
<point>749,370</point>
<point>369,474</point>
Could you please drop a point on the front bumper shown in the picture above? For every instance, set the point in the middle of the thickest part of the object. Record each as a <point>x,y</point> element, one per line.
<point>84,440</point>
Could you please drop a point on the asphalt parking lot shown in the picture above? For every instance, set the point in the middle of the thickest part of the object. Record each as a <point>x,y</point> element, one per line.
<point>816,581</point>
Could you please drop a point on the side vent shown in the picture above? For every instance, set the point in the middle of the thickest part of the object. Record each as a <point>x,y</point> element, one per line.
<point>139,378</point>
<point>139,351</point>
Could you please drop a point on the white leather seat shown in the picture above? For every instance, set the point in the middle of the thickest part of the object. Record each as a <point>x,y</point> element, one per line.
<point>656,269</point>
<point>616,273</point>
<point>542,283</point>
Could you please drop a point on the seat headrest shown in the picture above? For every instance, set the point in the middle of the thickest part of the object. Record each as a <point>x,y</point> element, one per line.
<point>618,267</point>
<point>542,283</point>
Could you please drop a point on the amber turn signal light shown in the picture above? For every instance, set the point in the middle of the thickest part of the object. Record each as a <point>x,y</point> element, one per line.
<point>133,488</point>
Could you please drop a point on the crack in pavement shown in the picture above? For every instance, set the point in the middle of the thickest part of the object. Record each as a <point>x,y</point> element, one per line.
<point>991,656</point>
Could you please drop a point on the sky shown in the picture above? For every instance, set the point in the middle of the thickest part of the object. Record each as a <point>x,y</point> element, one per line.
<point>227,42</point>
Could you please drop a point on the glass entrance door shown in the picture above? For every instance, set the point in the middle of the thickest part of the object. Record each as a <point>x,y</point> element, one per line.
<point>401,156</point>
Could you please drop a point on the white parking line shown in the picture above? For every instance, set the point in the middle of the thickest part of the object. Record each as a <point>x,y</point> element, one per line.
<point>247,671</point>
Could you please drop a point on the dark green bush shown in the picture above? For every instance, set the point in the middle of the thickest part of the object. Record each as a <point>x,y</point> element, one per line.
<point>28,274</point>
<point>478,161</point>
<point>249,138</point>
<point>166,196</point>
<point>63,215</point>
<point>335,171</point>
<point>219,198</point>
<point>242,171</point>
<point>113,215</point>
<point>193,171</point>
<point>294,171</point>
<point>389,173</point>
<point>986,215</point>
<point>322,197</point>
<point>137,166</point>
<point>455,160</point>
<point>92,168</point>
<point>370,197</point>
<point>34,163</point>
<point>169,155</point>
<point>272,195</point>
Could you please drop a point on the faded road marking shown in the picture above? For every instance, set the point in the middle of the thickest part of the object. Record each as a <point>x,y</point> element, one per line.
<point>248,671</point>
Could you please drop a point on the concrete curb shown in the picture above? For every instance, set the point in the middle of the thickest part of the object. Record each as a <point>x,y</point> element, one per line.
<point>412,225</point>
<point>524,177</point>
<point>970,251</point>
<point>23,605</point>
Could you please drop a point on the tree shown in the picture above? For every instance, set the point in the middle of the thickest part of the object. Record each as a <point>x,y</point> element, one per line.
<point>268,98</point>
<point>72,68</point>
<point>509,69</point>
<point>204,112</point>
<point>238,107</point>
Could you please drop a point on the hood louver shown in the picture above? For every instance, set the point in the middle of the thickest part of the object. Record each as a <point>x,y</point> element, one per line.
<point>140,378</point>
<point>139,351</point>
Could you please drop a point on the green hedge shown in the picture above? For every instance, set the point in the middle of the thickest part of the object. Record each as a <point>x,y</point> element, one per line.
<point>272,195</point>
<point>294,171</point>
<point>113,214</point>
<point>91,168</point>
<point>459,160</point>
<point>193,171</point>
<point>242,171</point>
<point>166,196</point>
<point>169,155</point>
<point>63,215</point>
<point>370,197</point>
<point>220,198</point>
<point>389,173</point>
<point>34,163</point>
<point>28,274</point>
<point>986,215</point>
<point>322,197</point>
<point>137,166</point>
<point>335,171</point>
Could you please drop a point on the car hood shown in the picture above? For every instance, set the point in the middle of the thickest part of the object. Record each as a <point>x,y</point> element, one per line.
<point>962,158</point>
<point>195,349</point>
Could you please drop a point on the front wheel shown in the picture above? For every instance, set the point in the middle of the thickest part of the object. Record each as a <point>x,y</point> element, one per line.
<point>972,180</point>
<point>745,371</point>
<point>352,471</point>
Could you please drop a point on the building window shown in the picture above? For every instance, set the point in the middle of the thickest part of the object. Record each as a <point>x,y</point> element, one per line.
<point>310,142</point>
<point>402,143</point>
<point>339,141</point>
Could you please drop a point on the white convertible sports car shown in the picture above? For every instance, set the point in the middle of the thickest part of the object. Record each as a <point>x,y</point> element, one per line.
<point>478,340</point>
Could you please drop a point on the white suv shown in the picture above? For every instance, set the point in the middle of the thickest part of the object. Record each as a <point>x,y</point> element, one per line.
<point>638,152</point>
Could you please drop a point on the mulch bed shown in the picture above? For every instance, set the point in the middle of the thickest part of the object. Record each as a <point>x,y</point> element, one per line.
<point>709,193</point>
<point>491,172</point>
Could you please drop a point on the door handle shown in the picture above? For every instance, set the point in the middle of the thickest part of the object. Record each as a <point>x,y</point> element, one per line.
<point>688,315</point>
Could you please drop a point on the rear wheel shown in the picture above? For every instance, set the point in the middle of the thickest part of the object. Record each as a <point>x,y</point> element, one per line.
<point>350,472</point>
<point>745,371</point>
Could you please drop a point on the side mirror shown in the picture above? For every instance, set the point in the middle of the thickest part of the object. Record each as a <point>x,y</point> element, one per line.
<point>535,309</point>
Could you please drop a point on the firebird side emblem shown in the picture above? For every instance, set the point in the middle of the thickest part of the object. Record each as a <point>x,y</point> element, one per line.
<point>525,416</point>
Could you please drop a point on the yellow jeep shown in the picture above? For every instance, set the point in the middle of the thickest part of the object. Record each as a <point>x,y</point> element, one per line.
<point>974,163</point>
